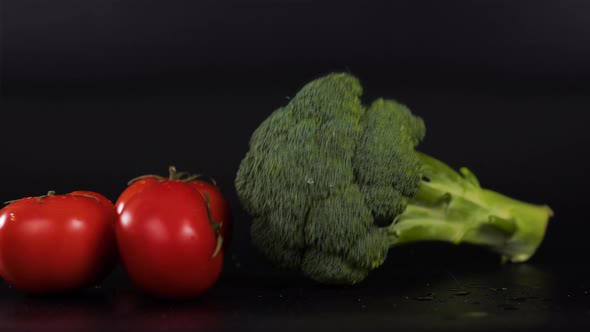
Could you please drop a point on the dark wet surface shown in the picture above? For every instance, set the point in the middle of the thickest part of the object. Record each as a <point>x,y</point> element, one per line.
<point>522,138</point>
<point>460,290</point>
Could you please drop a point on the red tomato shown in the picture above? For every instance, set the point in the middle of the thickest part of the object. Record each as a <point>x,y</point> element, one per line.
<point>166,241</point>
<point>57,243</point>
<point>219,207</point>
<point>220,211</point>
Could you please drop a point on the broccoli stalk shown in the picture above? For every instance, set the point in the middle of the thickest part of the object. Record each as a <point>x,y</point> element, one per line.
<point>454,208</point>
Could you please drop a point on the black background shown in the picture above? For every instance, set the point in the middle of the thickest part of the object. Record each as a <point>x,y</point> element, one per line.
<point>97,92</point>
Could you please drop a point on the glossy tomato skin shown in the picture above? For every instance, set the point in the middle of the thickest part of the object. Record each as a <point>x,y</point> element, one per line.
<point>220,211</point>
<point>132,190</point>
<point>57,243</point>
<point>166,242</point>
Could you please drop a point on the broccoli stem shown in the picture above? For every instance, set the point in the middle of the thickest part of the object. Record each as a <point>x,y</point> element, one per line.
<point>452,207</point>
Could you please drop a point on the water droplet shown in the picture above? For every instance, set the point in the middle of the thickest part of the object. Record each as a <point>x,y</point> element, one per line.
<point>310,181</point>
<point>12,217</point>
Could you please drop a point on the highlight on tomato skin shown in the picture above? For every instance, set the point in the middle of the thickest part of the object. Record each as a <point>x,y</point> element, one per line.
<point>132,190</point>
<point>57,243</point>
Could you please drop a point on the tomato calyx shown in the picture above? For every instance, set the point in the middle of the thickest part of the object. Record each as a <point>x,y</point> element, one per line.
<point>173,175</point>
<point>186,177</point>
<point>215,225</point>
<point>39,198</point>
<point>201,176</point>
<point>49,194</point>
<point>89,196</point>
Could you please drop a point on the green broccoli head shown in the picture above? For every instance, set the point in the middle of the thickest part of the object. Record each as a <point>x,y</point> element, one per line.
<point>318,178</point>
<point>332,184</point>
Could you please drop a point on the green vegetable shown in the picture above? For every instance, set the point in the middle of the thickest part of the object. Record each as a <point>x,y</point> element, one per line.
<point>332,185</point>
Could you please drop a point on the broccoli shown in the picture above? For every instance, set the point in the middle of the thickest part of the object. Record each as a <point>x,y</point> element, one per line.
<point>332,184</point>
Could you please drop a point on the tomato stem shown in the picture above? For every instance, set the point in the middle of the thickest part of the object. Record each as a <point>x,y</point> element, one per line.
<point>49,194</point>
<point>178,176</point>
<point>172,172</point>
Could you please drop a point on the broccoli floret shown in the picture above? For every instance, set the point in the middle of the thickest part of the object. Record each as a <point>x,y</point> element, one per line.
<point>332,185</point>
